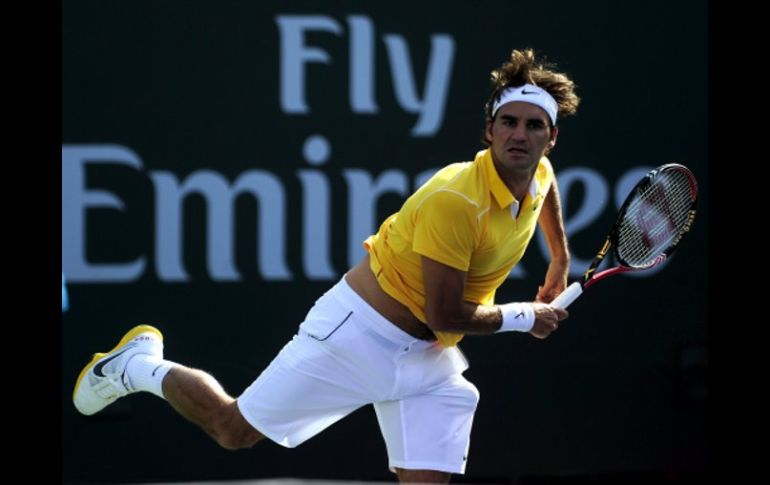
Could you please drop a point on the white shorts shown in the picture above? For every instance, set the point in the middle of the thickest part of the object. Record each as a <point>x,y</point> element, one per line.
<point>346,355</point>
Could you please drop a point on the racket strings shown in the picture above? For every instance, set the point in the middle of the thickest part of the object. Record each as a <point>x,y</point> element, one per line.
<point>655,218</point>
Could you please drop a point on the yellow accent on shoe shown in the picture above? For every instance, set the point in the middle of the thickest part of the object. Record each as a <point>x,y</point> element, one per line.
<point>138,330</point>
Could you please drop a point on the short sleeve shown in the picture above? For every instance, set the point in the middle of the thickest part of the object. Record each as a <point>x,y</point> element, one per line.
<point>446,229</point>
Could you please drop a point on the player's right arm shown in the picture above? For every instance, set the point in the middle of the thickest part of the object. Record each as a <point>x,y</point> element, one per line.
<point>446,310</point>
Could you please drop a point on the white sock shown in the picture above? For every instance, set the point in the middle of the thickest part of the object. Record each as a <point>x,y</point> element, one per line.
<point>146,372</point>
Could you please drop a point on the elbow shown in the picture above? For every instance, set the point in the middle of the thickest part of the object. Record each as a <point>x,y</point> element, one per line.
<point>435,325</point>
<point>442,321</point>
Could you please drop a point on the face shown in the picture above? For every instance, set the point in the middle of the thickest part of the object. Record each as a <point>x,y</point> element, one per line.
<point>520,135</point>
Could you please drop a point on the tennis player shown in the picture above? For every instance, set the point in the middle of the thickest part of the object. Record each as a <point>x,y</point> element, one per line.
<point>386,334</point>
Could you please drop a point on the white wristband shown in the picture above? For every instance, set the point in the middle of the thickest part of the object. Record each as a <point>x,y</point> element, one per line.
<point>517,317</point>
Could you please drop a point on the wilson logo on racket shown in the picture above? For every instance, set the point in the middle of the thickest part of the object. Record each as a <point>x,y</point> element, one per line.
<point>655,216</point>
<point>655,225</point>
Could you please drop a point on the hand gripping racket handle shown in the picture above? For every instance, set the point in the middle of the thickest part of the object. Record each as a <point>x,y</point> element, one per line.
<point>568,296</point>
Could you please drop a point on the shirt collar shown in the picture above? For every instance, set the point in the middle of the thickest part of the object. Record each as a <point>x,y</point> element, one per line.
<point>499,190</point>
<point>534,187</point>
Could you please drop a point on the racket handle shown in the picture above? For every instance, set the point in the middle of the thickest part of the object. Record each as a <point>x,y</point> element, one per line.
<point>568,296</point>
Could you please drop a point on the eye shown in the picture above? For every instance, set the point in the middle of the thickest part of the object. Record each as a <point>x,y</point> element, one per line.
<point>535,125</point>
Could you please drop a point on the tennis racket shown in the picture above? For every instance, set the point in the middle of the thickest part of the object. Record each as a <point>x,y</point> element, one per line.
<point>656,214</point>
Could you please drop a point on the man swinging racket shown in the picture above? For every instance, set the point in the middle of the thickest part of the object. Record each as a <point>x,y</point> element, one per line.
<point>386,334</point>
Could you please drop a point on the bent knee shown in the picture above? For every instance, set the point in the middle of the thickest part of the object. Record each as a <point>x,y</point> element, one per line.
<point>234,442</point>
<point>233,432</point>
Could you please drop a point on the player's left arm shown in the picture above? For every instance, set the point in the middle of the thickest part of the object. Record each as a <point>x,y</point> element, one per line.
<point>552,224</point>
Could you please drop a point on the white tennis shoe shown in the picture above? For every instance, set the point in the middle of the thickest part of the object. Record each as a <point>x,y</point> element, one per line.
<point>104,379</point>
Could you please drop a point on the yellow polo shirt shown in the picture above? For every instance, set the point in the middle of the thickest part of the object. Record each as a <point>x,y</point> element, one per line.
<point>464,217</point>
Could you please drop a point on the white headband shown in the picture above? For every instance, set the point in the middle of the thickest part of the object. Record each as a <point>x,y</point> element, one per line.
<point>529,94</point>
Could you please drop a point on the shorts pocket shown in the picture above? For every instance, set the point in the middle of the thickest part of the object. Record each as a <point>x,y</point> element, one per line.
<point>325,318</point>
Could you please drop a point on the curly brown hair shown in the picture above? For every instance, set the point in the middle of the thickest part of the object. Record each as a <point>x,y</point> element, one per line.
<point>521,69</point>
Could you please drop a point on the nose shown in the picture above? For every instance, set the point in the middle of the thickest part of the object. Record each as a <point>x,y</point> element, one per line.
<point>519,132</point>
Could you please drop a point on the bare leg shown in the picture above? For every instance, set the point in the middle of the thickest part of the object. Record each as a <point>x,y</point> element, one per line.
<point>198,397</point>
<point>422,476</point>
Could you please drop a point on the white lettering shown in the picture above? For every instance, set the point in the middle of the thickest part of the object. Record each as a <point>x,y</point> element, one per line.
<point>595,197</point>
<point>295,54</point>
<point>431,106</point>
<point>363,193</point>
<point>316,250</point>
<point>220,198</point>
<point>362,64</point>
<point>76,199</point>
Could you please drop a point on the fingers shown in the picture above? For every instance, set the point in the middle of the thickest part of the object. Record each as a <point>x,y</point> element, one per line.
<point>561,313</point>
<point>547,320</point>
<point>552,327</point>
<point>545,329</point>
<point>546,310</point>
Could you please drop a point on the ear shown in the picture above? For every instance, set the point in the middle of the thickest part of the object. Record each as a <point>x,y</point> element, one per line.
<point>488,131</point>
<point>554,135</point>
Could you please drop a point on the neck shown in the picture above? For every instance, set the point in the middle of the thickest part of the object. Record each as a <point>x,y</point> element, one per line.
<point>517,181</point>
<point>521,189</point>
